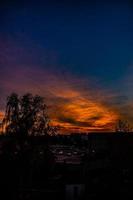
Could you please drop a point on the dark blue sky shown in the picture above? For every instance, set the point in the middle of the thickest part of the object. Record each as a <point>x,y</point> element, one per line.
<point>94,39</point>
<point>70,41</point>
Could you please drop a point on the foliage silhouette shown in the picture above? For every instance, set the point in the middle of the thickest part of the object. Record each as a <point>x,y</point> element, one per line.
<point>27,115</point>
<point>123,126</point>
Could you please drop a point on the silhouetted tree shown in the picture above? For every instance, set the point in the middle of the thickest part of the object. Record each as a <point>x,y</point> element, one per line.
<point>27,115</point>
<point>123,126</point>
<point>12,113</point>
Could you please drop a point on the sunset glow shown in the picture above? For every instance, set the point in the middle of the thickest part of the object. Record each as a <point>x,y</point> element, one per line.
<point>70,106</point>
<point>84,115</point>
<point>80,63</point>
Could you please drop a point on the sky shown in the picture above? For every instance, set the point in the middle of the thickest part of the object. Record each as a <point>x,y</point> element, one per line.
<point>78,55</point>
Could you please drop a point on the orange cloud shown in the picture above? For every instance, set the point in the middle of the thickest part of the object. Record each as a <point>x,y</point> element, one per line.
<point>81,114</point>
<point>74,104</point>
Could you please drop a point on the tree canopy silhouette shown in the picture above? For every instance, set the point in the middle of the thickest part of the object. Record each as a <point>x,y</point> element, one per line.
<point>27,115</point>
<point>123,126</point>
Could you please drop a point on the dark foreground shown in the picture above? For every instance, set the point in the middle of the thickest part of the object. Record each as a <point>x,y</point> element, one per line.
<point>97,166</point>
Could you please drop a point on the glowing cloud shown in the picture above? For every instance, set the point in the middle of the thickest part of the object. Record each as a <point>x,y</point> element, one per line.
<point>74,106</point>
<point>81,114</point>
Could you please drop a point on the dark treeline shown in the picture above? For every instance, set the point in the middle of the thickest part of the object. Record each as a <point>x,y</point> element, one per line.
<point>27,115</point>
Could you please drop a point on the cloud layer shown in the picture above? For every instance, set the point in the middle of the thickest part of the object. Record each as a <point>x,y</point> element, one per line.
<point>75,104</point>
